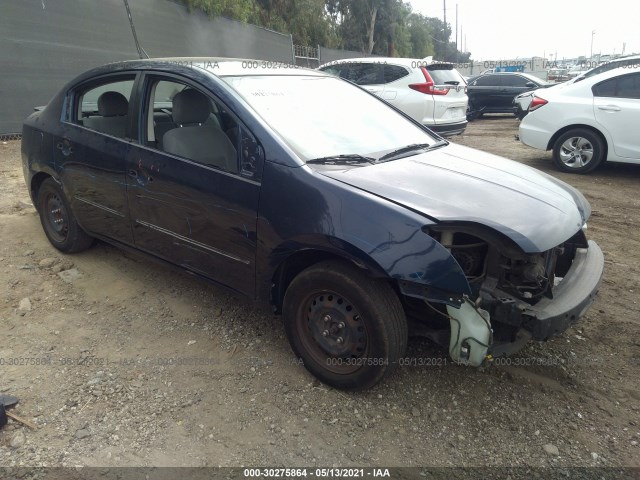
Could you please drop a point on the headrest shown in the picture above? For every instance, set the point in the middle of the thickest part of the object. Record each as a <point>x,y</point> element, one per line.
<point>190,106</point>
<point>112,104</point>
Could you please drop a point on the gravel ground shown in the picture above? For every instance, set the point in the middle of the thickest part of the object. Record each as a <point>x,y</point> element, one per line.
<point>121,362</point>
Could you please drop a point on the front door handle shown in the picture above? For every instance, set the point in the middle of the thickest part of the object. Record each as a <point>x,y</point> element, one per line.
<point>609,108</point>
<point>133,173</point>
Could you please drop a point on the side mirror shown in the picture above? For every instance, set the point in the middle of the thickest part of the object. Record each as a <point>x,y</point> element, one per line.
<point>530,85</point>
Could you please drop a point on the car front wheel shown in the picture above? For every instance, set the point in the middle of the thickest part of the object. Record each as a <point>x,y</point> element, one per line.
<point>348,329</point>
<point>578,151</point>
<point>59,223</point>
<point>472,112</point>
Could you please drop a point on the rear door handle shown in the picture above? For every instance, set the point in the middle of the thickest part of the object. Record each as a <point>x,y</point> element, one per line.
<point>133,173</point>
<point>609,108</point>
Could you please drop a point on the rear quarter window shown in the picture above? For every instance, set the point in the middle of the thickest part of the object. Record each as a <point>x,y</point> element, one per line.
<point>393,73</point>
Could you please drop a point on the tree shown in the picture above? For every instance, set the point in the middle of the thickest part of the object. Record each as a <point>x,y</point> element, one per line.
<point>420,36</point>
<point>379,27</point>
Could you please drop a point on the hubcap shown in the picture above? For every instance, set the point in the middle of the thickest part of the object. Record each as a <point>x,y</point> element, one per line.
<point>56,215</point>
<point>333,332</point>
<point>576,152</point>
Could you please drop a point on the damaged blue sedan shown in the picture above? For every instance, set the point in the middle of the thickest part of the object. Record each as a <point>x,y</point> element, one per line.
<point>302,191</point>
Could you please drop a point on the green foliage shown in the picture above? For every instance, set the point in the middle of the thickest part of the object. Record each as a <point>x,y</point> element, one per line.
<point>381,27</point>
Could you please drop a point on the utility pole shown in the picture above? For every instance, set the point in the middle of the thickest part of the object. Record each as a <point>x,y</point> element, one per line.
<point>456,27</point>
<point>593,32</point>
<point>445,40</point>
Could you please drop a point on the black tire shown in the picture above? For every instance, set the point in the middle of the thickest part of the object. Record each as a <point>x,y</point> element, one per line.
<point>333,300</point>
<point>578,151</point>
<point>59,223</point>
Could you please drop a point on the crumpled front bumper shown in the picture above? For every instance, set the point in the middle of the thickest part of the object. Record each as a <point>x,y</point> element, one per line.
<point>571,297</point>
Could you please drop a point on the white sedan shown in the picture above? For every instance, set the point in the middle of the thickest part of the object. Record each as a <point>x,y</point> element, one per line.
<point>587,122</point>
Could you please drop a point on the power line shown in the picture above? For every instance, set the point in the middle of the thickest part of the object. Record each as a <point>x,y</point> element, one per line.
<point>141,51</point>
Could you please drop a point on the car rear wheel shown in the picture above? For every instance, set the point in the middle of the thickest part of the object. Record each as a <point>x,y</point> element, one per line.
<point>348,329</point>
<point>58,221</point>
<point>578,151</point>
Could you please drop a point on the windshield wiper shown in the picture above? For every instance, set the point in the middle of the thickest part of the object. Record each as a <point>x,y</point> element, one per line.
<point>346,159</point>
<point>409,148</point>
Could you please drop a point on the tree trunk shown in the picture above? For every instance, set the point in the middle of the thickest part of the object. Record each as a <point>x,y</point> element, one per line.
<point>371,28</point>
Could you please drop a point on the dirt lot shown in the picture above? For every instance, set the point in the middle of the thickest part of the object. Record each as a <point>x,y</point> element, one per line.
<point>125,363</point>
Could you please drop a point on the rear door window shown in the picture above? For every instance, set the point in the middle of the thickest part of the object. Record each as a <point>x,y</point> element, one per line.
<point>629,86</point>
<point>626,86</point>
<point>515,81</point>
<point>104,107</point>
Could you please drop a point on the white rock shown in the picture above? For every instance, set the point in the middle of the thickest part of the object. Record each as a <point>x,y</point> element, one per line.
<point>48,262</point>
<point>25,305</point>
<point>551,449</point>
<point>70,275</point>
<point>18,440</point>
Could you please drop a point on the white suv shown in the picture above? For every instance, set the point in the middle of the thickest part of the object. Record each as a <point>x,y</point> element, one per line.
<point>433,93</point>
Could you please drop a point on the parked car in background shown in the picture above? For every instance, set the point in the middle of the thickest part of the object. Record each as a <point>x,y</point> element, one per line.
<point>522,102</point>
<point>587,122</point>
<point>558,75</point>
<point>304,192</point>
<point>628,61</point>
<point>432,93</point>
<point>494,92</point>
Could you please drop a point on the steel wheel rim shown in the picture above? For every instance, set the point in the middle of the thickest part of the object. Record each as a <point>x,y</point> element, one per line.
<point>333,332</point>
<point>56,217</point>
<point>576,152</point>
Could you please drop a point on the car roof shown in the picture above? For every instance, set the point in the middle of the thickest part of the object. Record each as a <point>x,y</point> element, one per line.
<point>219,66</point>
<point>408,62</point>
<point>614,72</point>
<point>626,57</point>
<point>587,83</point>
<point>522,74</point>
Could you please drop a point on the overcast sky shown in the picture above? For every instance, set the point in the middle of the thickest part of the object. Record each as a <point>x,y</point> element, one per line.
<point>506,29</point>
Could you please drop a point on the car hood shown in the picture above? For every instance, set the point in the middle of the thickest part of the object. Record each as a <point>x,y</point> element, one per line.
<point>460,184</point>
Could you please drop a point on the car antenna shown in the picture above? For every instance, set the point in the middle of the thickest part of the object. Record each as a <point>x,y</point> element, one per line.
<point>141,50</point>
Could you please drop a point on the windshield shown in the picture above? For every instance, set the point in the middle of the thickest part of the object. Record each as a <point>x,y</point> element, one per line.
<point>445,74</point>
<point>627,62</point>
<point>325,116</point>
